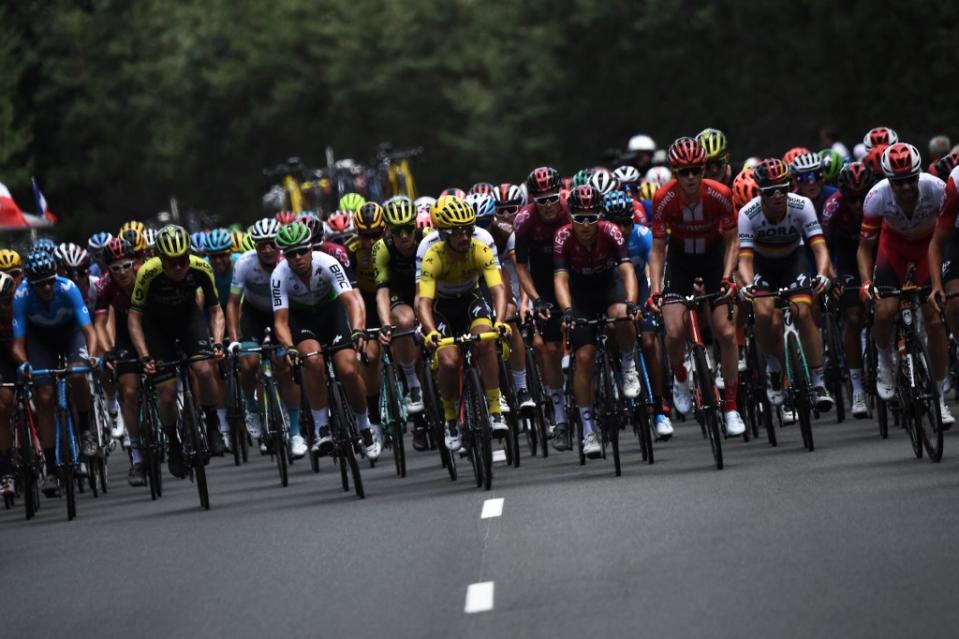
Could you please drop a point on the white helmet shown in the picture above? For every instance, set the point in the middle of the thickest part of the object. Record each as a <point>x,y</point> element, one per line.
<point>806,163</point>
<point>659,175</point>
<point>641,142</point>
<point>264,229</point>
<point>424,203</point>
<point>859,151</point>
<point>603,181</point>
<point>659,156</point>
<point>72,256</point>
<point>627,174</point>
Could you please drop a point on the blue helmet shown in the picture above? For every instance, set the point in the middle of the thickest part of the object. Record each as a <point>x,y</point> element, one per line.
<point>46,245</point>
<point>98,242</point>
<point>218,241</point>
<point>198,242</point>
<point>483,205</point>
<point>618,207</point>
<point>39,266</point>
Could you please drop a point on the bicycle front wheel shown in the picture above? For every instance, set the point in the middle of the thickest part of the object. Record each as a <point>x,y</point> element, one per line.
<point>707,391</point>
<point>345,437</point>
<point>394,419</point>
<point>926,410</point>
<point>799,380</point>
<point>478,422</point>
<point>196,433</point>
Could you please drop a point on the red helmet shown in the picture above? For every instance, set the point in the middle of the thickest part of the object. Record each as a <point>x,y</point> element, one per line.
<point>794,153</point>
<point>481,187</point>
<point>686,152</point>
<point>584,198</point>
<point>544,179</point>
<point>285,217</point>
<point>771,172</point>
<point>873,158</point>
<point>901,160</point>
<point>880,135</point>
<point>340,222</point>
<point>744,188</point>
<point>942,167</point>
<point>856,177</point>
<point>455,192</point>
<point>118,249</point>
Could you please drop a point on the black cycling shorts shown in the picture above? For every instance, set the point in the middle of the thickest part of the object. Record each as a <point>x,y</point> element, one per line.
<point>682,269</point>
<point>552,329</point>
<point>45,346</point>
<point>253,323</point>
<point>402,295</point>
<point>124,350</point>
<point>592,298</point>
<point>771,274</point>
<point>950,262</point>
<point>330,325</point>
<point>372,317</point>
<point>162,335</point>
<point>456,316</point>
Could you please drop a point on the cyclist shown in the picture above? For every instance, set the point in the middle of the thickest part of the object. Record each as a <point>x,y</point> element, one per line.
<point>451,303</point>
<point>943,253</point>
<point>394,262</point>
<point>718,167</point>
<point>807,171</point>
<point>339,227</point>
<point>95,246</point>
<point>318,239</point>
<point>50,321</point>
<point>772,228</point>
<point>880,135</point>
<point>113,291</point>
<point>73,262</point>
<point>593,276</point>
<point>350,203</point>
<point>841,222</point>
<point>249,313</point>
<point>534,227</point>
<point>617,208</point>
<point>640,150</point>
<point>313,306</point>
<point>8,374</point>
<point>218,248</point>
<point>164,310</point>
<point>900,212</point>
<point>699,217</point>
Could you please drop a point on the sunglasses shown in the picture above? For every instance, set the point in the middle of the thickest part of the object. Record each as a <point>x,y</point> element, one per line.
<point>219,256</point>
<point>44,283</point>
<point>406,229</point>
<point>772,191</point>
<point>78,274</point>
<point>371,235</point>
<point>121,266</point>
<point>507,210</point>
<point>809,178</point>
<point>266,246</point>
<point>547,199</point>
<point>715,165</point>
<point>466,231</point>
<point>586,218</point>
<point>298,252</point>
<point>178,262</point>
<point>904,181</point>
<point>690,171</point>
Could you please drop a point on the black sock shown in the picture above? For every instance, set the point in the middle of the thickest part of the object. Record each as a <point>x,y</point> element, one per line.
<point>657,404</point>
<point>373,406</point>
<point>83,421</point>
<point>50,455</point>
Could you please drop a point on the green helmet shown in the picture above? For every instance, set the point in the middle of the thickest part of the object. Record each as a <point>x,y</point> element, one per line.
<point>832,162</point>
<point>714,141</point>
<point>399,212</point>
<point>293,235</point>
<point>351,201</point>
<point>582,177</point>
<point>172,241</point>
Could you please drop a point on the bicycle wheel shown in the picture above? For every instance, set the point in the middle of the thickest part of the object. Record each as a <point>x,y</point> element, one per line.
<point>275,429</point>
<point>799,380</point>
<point>707,391</point>
<point>434,415</point>
<point>544,402</point>
<point>346,438</point>
<point>195,433</point>
<point>394,418</point>
<point>67,470</point>
<point>477,423</point>
<point>834,372</point>
<point>149,421</point>
<point>926,410</point>
<point>27,464</point>
<point>610,409</point>
<point>510,442</point>
<point>235,417</point>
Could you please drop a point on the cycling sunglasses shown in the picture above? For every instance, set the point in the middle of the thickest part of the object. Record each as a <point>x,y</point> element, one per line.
<point>715,165</point>
<point>267,244</point>
<point>508,209</point>
<point>459,230</point>
<point>585,218</point>
<point>809,178</point>
<point>547,199</point>
<point>120,267</point>
<point>405,229</point>
<point>179,262</point>
<point>772,191</point>
<point>913,179</point>
<point>219,256</point>
<point>298,252</point>
<point>690,171</point>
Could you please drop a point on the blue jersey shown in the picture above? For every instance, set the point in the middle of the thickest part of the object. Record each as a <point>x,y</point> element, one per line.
<point>638,245</point>
<point>223,281</point>
<point>65,309</point>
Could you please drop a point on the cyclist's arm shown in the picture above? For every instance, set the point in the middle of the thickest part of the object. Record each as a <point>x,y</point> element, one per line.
<point>657,259</point>
<point>383,305</point>
<point>936,245</point>
<point>427,291</point>
<point>381,275</point>
<point>731,241</point>
<point>101,321</point>
<point>561,284</point>
<point>868,234</point>
<point>424,310</point>
<point>135,327</point>
<point>233,317</point>
<point>864,258</point>
<point>526,281</point>
<point>821,253</point>
<point>217,323</point>
<point>82,315</point>
<point>746,271</point>
<point>90,334</point>
<point>281,326</point>
<point>630,283</point>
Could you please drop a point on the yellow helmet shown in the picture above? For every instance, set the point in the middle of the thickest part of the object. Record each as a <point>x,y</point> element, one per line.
<point>714,141</point>
<point>399,212</point>
<point>647,190</point>
<point>451,212</point>
<point>173,241</point>
<point>368,218</point>
<point>10,259</point>
<point>135,237</point>
<point>132,225</point>
<point>240,242</point>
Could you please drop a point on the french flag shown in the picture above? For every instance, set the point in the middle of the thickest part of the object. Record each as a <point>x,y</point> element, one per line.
<point>10,214</point>
<point>42,209</point>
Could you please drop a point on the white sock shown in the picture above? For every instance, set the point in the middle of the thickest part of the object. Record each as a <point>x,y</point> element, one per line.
<point>321,418</point>
<point>772,364</point>
<point>113,406</point>
<point>816,375</point>
<point>519,379</point>
<point>943,385</point>
<point>586,416</point>
<point>885,357</point>
<point>377,431</point>
<point>855,376</point>
<point>628,360</point>
<point>362,420</point>
<point>221,417</point>
<point>559,408</point>
<point>409,372</point>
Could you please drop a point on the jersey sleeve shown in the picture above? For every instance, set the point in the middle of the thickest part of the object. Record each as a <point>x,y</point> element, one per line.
<point>206,281</point>
<point>871,213</point>
<point>147,273</point>
<point>521,240</point>
<point>645,242</point>
<point>381,264</point>
<point>487,238</point>
<point>428,271</point>
<point>811,228</point>
<point>829,211</point>
<point>946,219</point>
<point>485,259</point>
<point>333,272</point>
<point>729,217</point>
<point>746,236</point>
<point>425,244</point>
<point>77,303</point>
<point>101,304</point>
<point>238,279</point>
<point>660,213</point>
<point>618,241</point>
<point>20,311</point>
<point>278,288</point>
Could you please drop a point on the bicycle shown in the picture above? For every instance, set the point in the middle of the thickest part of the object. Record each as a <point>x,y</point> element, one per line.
<point>535,423</point>
<point>346,438</point>
<point>643,408</point>
<point>100,422</point>
<point>509,443</point>
<point>706,401</point>
<point>432,414</point>
<point>392,407</point>
<point>473,412</point>
<point>27,451</point>
<point>799,390</point>
<point>834,354</point>
<point>394,166</point>
<point>609,402</point>
<point>917,393</point>
<point>874,403</point>
<point>236,412</point>
<point>67,446</point>
<point>752,384</point>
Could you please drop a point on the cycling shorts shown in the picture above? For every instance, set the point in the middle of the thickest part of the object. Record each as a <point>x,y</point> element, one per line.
<point>683,268</point>
<point>589,301</point>
<point>124,350</point>
<point>892,267</point>
<point>372,317</point>
<point>770,274</point>
<point>456,316</point>
<point>402,296</point>
<point>253,323</point>
<point>844,260</point>
<point>8,365</point>
<point>45,346</point>
<point>192,333</point>
<point>552,329</point>
<point>950,262</point>
<point>329,325</point>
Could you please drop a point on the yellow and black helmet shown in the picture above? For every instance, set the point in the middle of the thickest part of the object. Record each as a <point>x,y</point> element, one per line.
<point>10,259</point>
<point>369,218</point>
<point>132,225</point>
<point>173,241</point>
<point>452,212</point>
<point>399,212</point>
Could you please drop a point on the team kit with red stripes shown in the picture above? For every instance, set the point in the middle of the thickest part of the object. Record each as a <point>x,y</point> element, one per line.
<point>619,306</point>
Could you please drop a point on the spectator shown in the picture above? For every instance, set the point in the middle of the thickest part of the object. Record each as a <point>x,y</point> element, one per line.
<point>939,147</point>
<point>829,139</point>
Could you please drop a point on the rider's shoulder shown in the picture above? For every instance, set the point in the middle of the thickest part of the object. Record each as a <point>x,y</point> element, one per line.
<point>200,264</point>
<point>798,202</point>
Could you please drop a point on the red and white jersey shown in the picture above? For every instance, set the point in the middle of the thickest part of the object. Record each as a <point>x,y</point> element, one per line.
<point>950,202</point>
<point>900,232</point>
<point>697,228</point>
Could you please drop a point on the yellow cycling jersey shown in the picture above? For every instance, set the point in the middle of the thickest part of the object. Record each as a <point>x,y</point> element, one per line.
<point>446,274</point>
<point>361,259</point>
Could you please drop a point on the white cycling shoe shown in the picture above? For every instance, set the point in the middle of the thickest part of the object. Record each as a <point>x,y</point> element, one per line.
<point>592,447</point>
<point>885,382</point>
<point>681,397</point>
<point>630,383</point>
<point>498,425</point>
<point>947,418</point>
<point>253,425</point>
<point>119,427</point>
<point>859,408</point>
<point>734,423</point>
<point>664,427</point>
<point>297,447</point>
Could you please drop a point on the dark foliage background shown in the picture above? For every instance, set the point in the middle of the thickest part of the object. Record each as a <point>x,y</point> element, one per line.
<point>118,105</point>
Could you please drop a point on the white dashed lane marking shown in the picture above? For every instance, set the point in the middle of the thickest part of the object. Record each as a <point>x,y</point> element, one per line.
<point>492,508</point>
<point>479,597</point>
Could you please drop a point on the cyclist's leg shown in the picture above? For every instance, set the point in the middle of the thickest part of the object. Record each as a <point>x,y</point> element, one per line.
<point>480,321</point>
<point>889,273</point>
<point>79,389</point>
<point>583,347</point>
<point>517,353</point>
<point>950,280</point>
<point>195,340</point>
<point>451,321</point>
<point>936,334</point>
<point>724,332</point>
<point>404,349</point>
<point>335,329</point>
<point>372,369</point>
<point>43,352</point>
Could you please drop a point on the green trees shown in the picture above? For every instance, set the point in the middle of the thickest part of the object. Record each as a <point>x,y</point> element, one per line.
<point>119,105</point>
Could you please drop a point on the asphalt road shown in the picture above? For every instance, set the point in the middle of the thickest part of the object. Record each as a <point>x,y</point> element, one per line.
<point>857,539</point>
